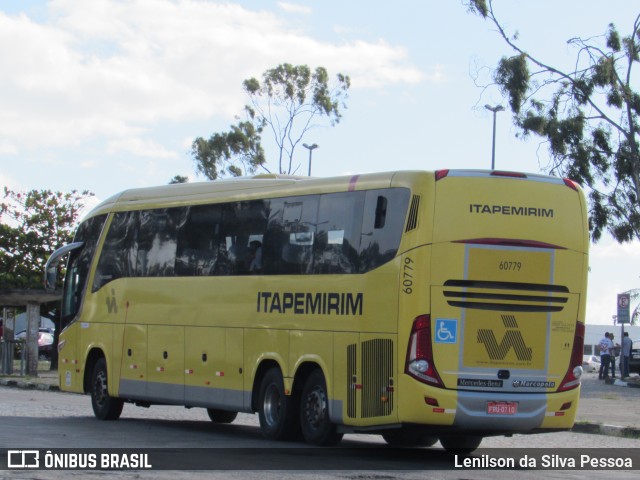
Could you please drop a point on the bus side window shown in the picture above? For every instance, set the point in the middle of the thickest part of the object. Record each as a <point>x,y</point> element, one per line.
<point>198,249</point>
<point>288,241</point>
<point>157,241</point>
<point>382,225</point>
<point>242,223</point>
<point>115,259</point>
<point>338,233</point>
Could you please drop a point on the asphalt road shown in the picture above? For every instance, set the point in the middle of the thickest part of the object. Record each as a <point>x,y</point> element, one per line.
<point>32,419</point>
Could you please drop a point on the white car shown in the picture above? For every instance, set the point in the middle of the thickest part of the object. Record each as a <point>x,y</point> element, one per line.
<point>591,363</point>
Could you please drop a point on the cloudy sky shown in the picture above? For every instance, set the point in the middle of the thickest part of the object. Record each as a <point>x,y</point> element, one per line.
<point>106,95</point>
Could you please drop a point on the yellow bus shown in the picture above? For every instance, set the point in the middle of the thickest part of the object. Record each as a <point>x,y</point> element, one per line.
<point>421,306</point>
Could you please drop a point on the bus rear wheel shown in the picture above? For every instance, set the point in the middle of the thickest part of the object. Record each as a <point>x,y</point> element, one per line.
<point>277,411</point>
<point>460,444</point>
<point>105,407</point>
<point>408,438</point>
<point>316,425</point>
<point>221,416</point>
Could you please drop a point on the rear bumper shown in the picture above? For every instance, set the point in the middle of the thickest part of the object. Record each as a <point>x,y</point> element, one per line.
<point>468,410</point>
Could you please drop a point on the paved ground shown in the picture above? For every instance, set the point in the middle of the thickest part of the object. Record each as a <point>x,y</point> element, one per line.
<point>604,408</point>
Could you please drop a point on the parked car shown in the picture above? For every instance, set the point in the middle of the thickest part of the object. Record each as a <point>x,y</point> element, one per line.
<point>634,360</point>
<point>45,342</point>
<point>591,363</point>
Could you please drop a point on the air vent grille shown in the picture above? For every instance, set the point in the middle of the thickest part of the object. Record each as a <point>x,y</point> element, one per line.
<point>414,210</point>
<point>352,364</point>
<point>511,297</point>
<point>377,378</point>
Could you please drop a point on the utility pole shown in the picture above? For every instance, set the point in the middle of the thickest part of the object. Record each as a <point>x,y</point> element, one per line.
<point>496,109</point>
<point>311,148</point>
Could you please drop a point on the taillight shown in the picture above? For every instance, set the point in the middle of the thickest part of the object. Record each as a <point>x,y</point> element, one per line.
<point>574,372</point>
<point>570,184</point>
<point>419,362</point>
<point>440,174</point>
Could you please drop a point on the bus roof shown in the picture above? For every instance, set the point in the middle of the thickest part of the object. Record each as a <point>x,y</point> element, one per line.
<point>233,189</point>
<point>273,185</point>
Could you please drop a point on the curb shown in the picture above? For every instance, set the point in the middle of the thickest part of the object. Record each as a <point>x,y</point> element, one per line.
<point>28,385</point>
<point>609,430</point>
<point>619,382</point>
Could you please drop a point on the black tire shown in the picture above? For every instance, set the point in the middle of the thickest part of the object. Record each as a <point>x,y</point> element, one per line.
<point>315,423</point>
<point>277,412</point>
<point>460,444</point>
<point>408,438</point>
<point>221,416</point>
<point>105,407</point>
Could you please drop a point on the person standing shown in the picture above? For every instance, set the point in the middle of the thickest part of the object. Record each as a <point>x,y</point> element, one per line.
<point>627,345</point>
<point>605,356</point>
<point>614,351</point>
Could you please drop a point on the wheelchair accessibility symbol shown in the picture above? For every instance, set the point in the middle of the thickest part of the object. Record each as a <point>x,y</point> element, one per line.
<point>446,330</point>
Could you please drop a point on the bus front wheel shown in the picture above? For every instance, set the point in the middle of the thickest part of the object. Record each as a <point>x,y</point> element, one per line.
<point>317,427</point>
<point>221,416</point>
<point>277,411</point>
<point>105,407</point>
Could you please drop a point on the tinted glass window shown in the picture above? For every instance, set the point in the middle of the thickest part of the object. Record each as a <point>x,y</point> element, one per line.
<point>156,242</point>
<point>382,223</point>
<point>79,265</point>
<point>338,233</point>
<point>117,259</point>
<point>199,241</point>
<point>290,235</point>
<point>243,227</point>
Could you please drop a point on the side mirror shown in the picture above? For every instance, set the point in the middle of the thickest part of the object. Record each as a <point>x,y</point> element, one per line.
<point>51,268</point>
<point>50,277</point>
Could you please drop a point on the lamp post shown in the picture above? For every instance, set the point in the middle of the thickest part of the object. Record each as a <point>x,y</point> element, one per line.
<point>496,109</point>
<point>311,148</point>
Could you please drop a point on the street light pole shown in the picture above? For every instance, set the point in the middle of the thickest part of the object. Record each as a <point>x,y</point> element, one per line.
<point>496,109</point>
<point>311,148</point>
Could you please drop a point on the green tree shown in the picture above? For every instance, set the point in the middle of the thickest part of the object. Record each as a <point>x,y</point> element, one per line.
<point>178,179</point>
<point>288,102</point>
<point>32,225</point>
<point>588,116</point>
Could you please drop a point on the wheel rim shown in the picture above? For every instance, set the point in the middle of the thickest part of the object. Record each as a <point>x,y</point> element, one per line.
<point>100,392</point>
<point>272,405</point>
<point>315,408</point>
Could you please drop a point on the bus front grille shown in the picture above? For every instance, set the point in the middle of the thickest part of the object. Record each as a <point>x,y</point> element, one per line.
<point>505,296</point>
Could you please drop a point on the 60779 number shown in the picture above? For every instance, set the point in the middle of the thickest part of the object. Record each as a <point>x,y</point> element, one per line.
<point>512,266</point>
<point>407,276</point>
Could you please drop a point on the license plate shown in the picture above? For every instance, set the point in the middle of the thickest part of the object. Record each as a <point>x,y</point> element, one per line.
<point>502,408</point>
